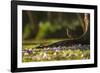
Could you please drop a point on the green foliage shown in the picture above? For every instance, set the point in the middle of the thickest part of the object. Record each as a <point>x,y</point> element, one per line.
<point>26,31</point>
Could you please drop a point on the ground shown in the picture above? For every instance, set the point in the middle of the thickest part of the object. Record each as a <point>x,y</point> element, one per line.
<point>75,52</point>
